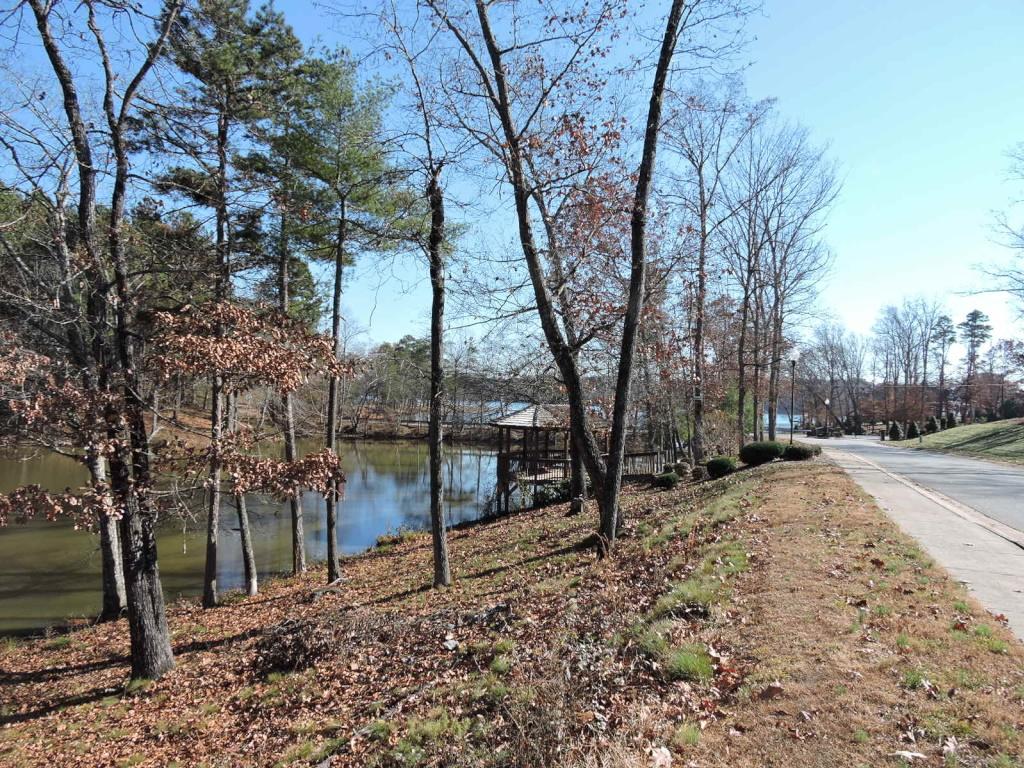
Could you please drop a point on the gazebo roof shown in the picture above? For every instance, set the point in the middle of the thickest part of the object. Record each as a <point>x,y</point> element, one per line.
<point>548,416</point>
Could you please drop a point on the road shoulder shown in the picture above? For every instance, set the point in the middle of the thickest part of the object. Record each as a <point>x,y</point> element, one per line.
<point>987,556</point>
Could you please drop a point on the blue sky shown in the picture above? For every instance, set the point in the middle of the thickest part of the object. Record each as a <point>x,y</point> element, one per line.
<point>919,101</point>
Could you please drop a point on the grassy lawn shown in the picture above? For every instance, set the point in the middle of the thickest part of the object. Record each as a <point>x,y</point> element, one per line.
<point>1000,440</point>
<point>772,618</point>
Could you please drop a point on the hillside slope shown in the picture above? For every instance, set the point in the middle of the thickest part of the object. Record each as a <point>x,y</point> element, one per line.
<point>772,618</point>
<point>999,440</point>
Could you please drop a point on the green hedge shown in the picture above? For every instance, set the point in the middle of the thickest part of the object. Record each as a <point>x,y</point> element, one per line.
<point>798,452</point>
<point>754,454</point>
<point>554,493</point>
<point>665,480</point>
<point>720,467</point>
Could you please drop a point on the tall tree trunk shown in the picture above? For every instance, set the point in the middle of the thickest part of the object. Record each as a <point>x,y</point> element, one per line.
<point>606,477</point>
<point>773,375</point>
<point>290,448</point>
<point>213,502</point>
<point>333,568</point>
<point>756,354</point>
<point>439,536</point>
<point>151,654</point>
<point>244,531</point>
<point>741,367</point>
<point>221,290</point>
<point>609,494</point>
<point>115,600</point>
<point>700,300</point>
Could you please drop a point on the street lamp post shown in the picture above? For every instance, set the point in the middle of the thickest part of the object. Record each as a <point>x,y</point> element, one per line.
<point>827,403</point>
<point>792,397</point>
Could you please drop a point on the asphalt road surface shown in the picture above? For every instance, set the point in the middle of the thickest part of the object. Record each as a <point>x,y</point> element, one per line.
<point>968,514</point>
<point>995,490</point>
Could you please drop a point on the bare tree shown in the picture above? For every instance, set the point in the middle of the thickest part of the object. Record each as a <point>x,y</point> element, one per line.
<point>503,91</point>
<point>792,215</point>
<point>707,131</point>
<point>114,360</point>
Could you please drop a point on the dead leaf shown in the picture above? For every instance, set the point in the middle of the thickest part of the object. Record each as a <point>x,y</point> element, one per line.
<point>771,691</point>
<point>661,757</point>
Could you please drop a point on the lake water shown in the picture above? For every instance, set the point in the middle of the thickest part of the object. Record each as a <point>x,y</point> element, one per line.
<point>50,572</point>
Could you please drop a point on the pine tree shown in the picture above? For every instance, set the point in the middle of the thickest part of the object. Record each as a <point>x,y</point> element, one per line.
<point>974,332</point>
<point>225,53</point>
<point>353,198</point>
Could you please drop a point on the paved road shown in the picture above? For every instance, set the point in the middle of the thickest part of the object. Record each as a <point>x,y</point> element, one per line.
<point>995,490</point>
<point>968,514</point>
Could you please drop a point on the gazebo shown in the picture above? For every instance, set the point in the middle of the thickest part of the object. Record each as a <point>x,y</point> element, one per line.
<point>533,450</point>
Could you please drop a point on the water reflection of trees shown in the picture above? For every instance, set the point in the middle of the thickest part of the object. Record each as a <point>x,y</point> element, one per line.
<point>388,489</point>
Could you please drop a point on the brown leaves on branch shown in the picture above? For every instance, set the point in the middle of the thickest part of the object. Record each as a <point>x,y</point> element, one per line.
<point>320,472</point>
<point>68,406</point>
<point>17,364</point>
<point>247,346</point>
<point>252,473</point>
<point>30,501</point>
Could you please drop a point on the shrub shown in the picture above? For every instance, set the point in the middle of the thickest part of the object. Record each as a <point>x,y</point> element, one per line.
<point>755,454</point>
<point>913,431</point>
<point>895,431</point>
<point>949,421</point>
<point>853,425</point>
<point>683,468</point>
<point>294,644</point>
<point>665,480</point>
<point>698,474</point>
<point>553,493</point>
<point>720,466</point>
<point>932,425</point>
<point>798,452</point>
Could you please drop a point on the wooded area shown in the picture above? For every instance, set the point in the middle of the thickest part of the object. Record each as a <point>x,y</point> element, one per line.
<point>187,183</point>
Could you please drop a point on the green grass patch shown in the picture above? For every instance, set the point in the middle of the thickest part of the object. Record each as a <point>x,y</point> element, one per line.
<point>695,593</point>
<point>686,735</point>
<point>995,645</point>
<point>380,730</point>
<point>490,689</point>
<point>438,729</point>
<point>1002,440</point>
<point>650,639</point>
<point>690,662</point>
<point>912,679</point>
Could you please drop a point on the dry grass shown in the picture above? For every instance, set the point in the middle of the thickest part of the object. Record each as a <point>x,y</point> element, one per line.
<point>877,651</point>
<point>785,573</point>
